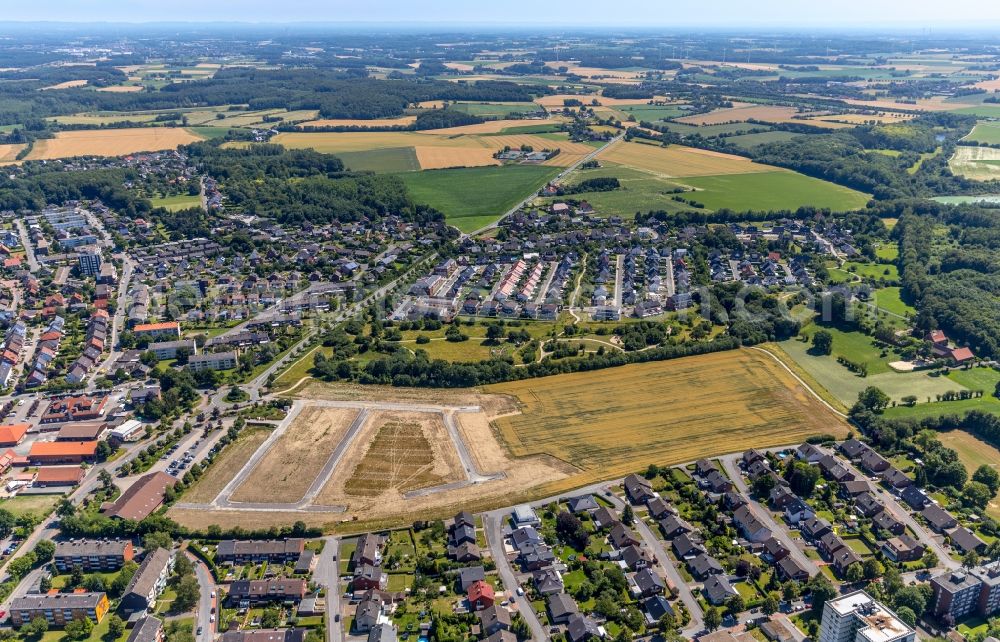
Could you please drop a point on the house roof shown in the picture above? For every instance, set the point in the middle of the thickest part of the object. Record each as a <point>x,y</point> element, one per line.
<point>480,590</point>
<point>13,433</point>
<point>142,498</point>
<point>64,449</point>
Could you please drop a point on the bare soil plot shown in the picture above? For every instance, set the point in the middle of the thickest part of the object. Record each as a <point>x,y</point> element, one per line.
<point>680,161</point>
<point>444,157</point>
<point>289,468</point>
<point>394,453</point>
<point>976,163</point>
<point>225,467</point>
<point>111,142</point>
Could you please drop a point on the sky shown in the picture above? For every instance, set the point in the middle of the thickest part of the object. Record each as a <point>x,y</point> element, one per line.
<point>868,14</point>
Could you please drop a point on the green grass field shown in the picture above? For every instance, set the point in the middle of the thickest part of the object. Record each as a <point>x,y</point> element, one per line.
<point>474,197</point>
<point>175,203</point>
<point>382,161</point>
<point>772,191</point>
<point>874,271</point>
<point>746,141</point>
<point>984,111</point>
<point>985,132</point>
<point>985,379</point>
<point>889,299</point>
<point>495,110</point>
<point>529,129</point>
<point>844,385</point>
<point>651,113</point>
<point>642,191</point>
<point>958,200</point>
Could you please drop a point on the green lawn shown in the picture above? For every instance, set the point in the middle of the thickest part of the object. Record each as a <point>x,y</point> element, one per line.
<point>175,203</point>
<point>985,403</point>
<point>38,505</point>
<point>474,197</point>
<point>844,385</point>
<point>984,111</point>
<point>651,113</point>
<point>873,271</point>
<point>889,299</point>
<point>389,160</point>
<point>985,379</point>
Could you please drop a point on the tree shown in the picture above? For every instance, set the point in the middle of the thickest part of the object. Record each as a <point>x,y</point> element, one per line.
<point>735,604</point>
<point>628,516</point>
<point>271,619</point>
<point>907,615</point>
<point>988,475</point>
<point>873,399</point>
<point>873,568</point>
<point>970,560</point>
<point>977,494</point>
<point>802,477</point>
<point>76,577</point>
<point>65,508</point>
<point>770,605</point>
<point>7,522</point>
<point>182,567</point>
<point>45,584</point>
<point>95,583</point>
<point>155,540</point>
<point>822,342</point>
<point>910,597</point>
<point>80,628</point>
<point>713,619</point>
<point>44,551</point>
<point>855,573</point>
<point>116,627</point>
<point>822,590</point>
<point>188,594</point>
<point>107,481</point>
<point>930,559</point>
<point>37,627</point>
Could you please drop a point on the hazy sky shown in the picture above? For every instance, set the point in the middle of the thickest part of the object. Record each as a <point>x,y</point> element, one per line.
<point>540,13</point>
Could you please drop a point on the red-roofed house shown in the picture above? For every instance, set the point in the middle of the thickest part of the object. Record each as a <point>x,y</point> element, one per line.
<point>937,337</point>
<point>11,435</point>
<point>481,596</point>
<point>960,355</point>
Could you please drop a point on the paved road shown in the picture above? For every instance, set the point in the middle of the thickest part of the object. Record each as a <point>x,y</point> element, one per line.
<point>492,522</point>
<point>619,279</point>
<point>900,513</point>
<point>732,469</point>
<point>206,584</point>
<point>327,574</point>
<point>683,588</point>
<point>29,251</point>
<point>563,174</point>
<point>117,321</point>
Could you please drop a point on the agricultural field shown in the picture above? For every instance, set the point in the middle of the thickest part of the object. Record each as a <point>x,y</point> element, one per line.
<point>402,121</point>
<point>111,142</point>
<point>679,161</point>
<point>664,413</point>
<point>976,163</point>
<point>226,465</point>
<point>985,132</point>
<point>494,110</point>
<point>8,153</point>
<point>99,119</point>
<point>175,203</point>
<point>382,161</point>
<point>747,141</point>
<point>472,198</point>
<point>295,459</point>
<point>764,113</point>
<point>973,453</point>
<point>470,146</point>
<point>889,299</point>
<point>711,131</point>
<point>644,190</point>
<point>651,113</point>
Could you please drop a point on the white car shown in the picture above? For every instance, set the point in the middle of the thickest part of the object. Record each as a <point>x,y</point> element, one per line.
<point>520,591</point>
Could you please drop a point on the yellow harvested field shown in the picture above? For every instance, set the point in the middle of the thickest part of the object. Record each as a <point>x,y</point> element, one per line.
<point>402,121</point>
<point>493,126</point>
<point>930,104</point>
<point>593,72</point>
<point>225,467</point>
<point>69,84</point>
<point>857,119</point>
<point>988,85</point>
<point>111,142</point>
<point>122,89</point>
<point>9,152</point>
<point>333,142</point>
<point>610,423</point>
<point>296,458</point>
<point>445,157</point>
<point>678,161</point>
<point>973,453</point>
<point>431,104</point>
<point>976,163</point>
<point>458,66</point>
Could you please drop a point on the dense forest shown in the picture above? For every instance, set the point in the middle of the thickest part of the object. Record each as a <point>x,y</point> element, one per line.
<point>335,94</point>
<point>256,182</point>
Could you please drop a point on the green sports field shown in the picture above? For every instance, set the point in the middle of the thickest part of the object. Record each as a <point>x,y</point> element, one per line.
<point>474,197</point>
